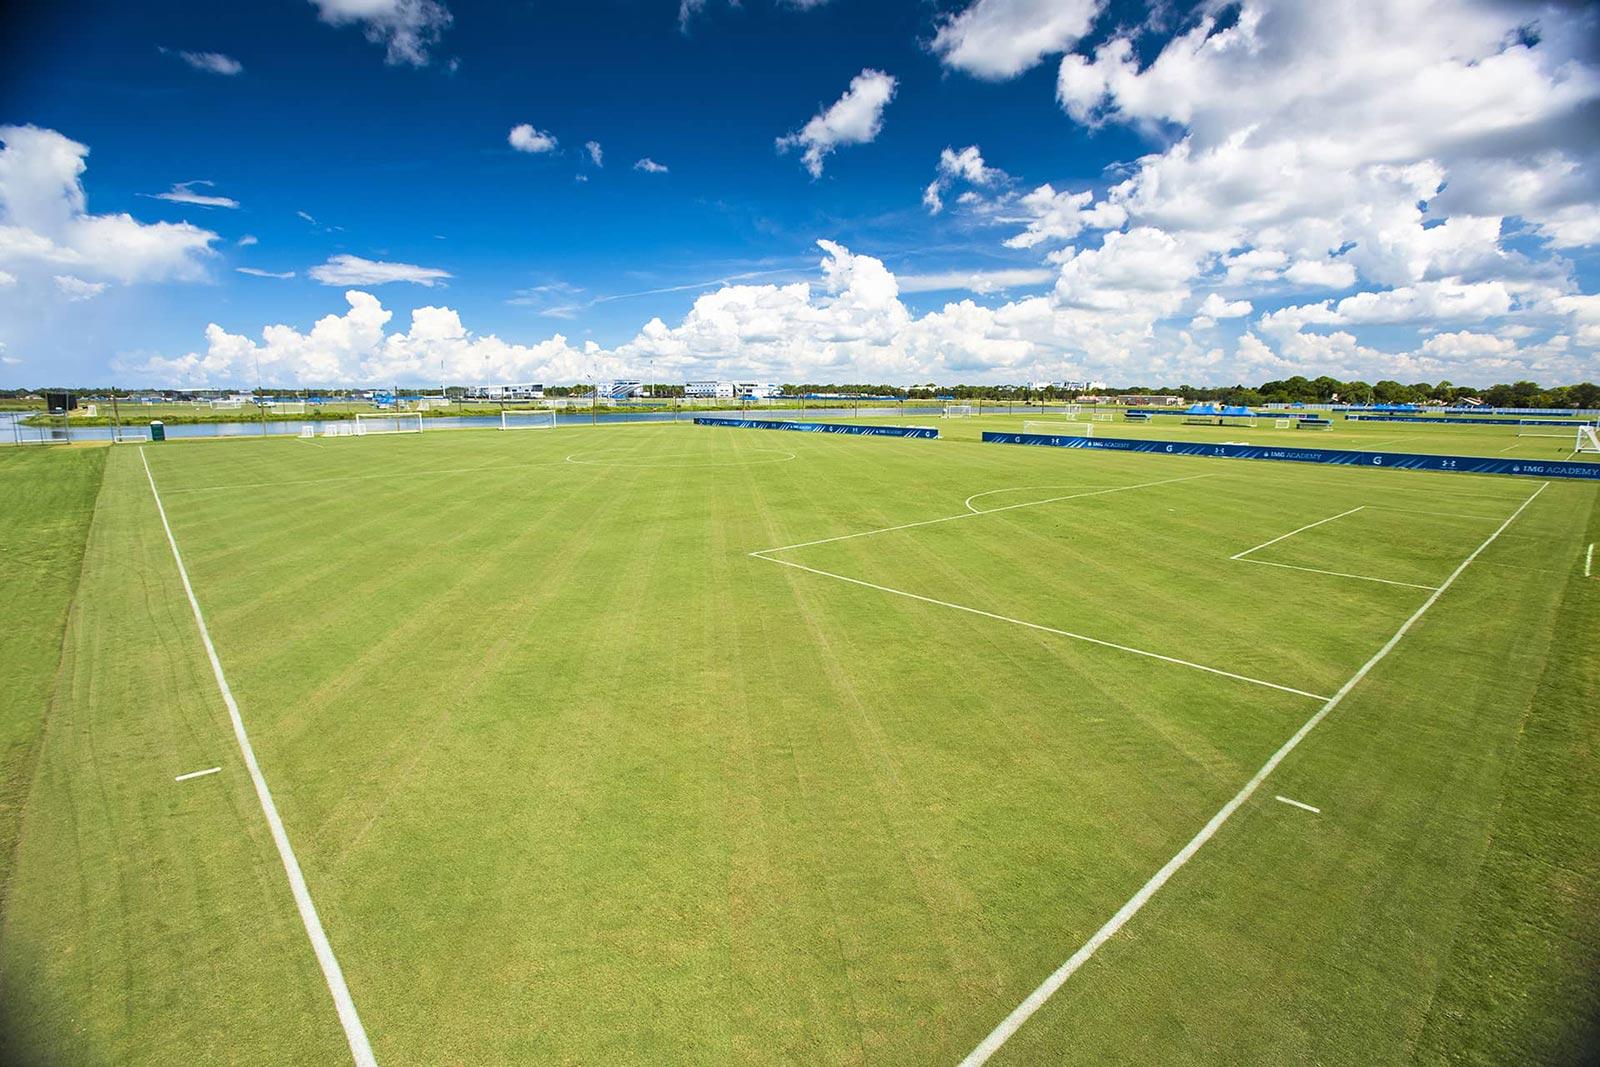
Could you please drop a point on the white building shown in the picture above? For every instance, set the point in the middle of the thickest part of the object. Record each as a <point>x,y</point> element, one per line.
<point>759,390</point>
<point>621,388</point>
<point>524,391</point>
<point>709,390</point>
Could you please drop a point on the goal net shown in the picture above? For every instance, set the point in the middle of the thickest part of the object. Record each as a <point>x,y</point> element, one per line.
<point>399,422</point>
<point>1104,416</point>
<point>1282,424</point>
<point>957,411</point>
<point>124,435</point>
<point>289,407</point>
<point>1588,440</point>
<point>226,405</point>
<point>527,420</point>
<point>1059,429</point>
<point>1072,409</point>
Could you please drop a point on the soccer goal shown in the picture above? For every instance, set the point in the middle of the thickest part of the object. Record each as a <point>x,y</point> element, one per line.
<point>1059,429</point>
<point>289,407</point>
<point>127,435</point>
<point>1072,409</point>
<point>1588,440</point>
<point>338,429</point>
<point>957,411</point>
<point>1282,424</point>
<point>527,420</point>
<point>226,405</point>
<point>398,422</point>
<point>1535,428</point>
<point>1104,416</point>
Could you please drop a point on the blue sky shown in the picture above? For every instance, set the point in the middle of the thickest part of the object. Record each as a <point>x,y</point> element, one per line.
<point>1215,211</point>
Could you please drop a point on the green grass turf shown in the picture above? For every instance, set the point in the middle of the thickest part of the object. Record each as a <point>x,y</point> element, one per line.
<point>573,776</point>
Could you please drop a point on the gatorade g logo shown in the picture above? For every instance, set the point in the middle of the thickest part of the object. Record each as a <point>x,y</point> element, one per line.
<point>1377,461</point>
<point>1169,448</point>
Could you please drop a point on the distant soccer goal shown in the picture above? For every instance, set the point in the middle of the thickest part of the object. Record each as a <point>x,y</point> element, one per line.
<point>1072,409</point>
<point>1535,428</point>
<point>398,422</point>
<point>1588,440</point>
<point>338,429</point>
<point>527,420</point>
<point>1059,429</point>
<point>1282,424</point>
<point>226,405</point>
<point>289,407</point>
<point>307,431</point>
<point>957,411</point>
<point>127,435</point>
<point>1104,416</point>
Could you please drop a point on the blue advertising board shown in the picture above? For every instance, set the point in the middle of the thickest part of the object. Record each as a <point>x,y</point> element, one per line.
<point>1338,457</point>
<point>864,429</point>
<point>1480,420</point>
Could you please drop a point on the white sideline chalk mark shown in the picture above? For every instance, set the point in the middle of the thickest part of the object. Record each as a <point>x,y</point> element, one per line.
<point>1043,629</point>
<point>1035,1000</point>
<point>196,774</point>
<point>1291,533</point>
<point>967,503</point>
<point>1297,804</point>
<point>1336,574</point>
<point>1588,561</point>
<point>970,514</point>
<point>355,1033</point>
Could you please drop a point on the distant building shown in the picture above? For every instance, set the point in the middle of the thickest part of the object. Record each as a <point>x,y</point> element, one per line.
<point>728,390</point>
<point>523,391</point>
<point>1149,400</point>
<point>709,390</point>
<point>621,388</point>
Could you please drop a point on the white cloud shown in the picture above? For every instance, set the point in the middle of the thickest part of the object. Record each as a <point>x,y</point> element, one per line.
<point>209,62</point>
<point>77,289</point>
<point>596,153</point>
<point>855,118</point>
<point>183,193</point>
<point>1449,300</point>
<point>247,240</point>
<point>346,269</point>
<point>46,228</point>
<point>7,279</point>
<point>525,138</point>
<point>256,272</point>
<point>1321,273</point>
<point>650,166</point>
<point>1466,345</point>
<point>966,166</point>
<point>406,28</point>
<point>977,281</point>
<point>1215,307</point>
<point>998,39</point>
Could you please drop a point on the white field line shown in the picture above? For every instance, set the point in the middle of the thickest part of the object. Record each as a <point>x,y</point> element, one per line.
<point>967,503</point>
<point>1336,574</point>
<point>1035,1000</point>
<point>355,1033</point>
<point>196,774</point>
<point>1040,627</point>
<point>1297,804</point>
<point>1588,561</point>
<point>970,514</point>
<point>1291,533</point>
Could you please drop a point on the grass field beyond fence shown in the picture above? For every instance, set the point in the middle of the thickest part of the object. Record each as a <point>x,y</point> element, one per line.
<point>672,743</point>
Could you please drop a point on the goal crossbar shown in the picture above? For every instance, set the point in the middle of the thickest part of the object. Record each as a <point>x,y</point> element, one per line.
<point>1588,440</point>
<point>396,422</point>
<point>527,420</point>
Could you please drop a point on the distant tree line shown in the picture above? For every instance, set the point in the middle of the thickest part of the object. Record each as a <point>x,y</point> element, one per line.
<point>1297,389</point>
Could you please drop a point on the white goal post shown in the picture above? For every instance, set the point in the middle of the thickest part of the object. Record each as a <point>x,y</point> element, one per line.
<point>1072,409</point>
<point>1282,424</point>
<point>124,435</point>
<point>289,407</point>
<point>1104,416</point>
<point>527,420</point>
<point>1588,441</point>
<point>957,411</point>
<point>397,422</point>
<point>1059,429</point>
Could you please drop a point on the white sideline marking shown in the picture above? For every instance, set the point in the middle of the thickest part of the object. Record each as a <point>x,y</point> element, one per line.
<point>196,774</point>
<point>1035,1000</point>
<point>1291,533</point>
<point>1336,574</point>
<point>1588,560</point>
<point>1042,628</point>
<point>1296,803</point>
<point>989,511</point>
<point>967,503</point>
<point>360,1048</point>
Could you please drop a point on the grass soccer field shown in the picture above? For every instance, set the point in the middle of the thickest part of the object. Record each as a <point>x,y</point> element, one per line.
<point>671,743</point>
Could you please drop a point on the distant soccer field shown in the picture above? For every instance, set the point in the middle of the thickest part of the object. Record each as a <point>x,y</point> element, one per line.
<point>671,743</point>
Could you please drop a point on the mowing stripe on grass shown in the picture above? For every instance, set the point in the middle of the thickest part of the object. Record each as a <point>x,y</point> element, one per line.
<point>1042,628</point>
<point>1297,804</point>
<point>971,514</point>
<point>1037,999</point>
<point>355,1033</point>
<point>197,774</point>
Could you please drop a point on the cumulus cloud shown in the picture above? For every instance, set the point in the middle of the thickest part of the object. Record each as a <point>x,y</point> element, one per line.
<point>46,227</point>
<point>209,62</point>
<point>346,269</point>
<point>977,281</point>
<point>966,166</point>
<point>1215,307</point>
<point>77,289</point>
<point>650,166</point>
<point>596,153</point>
<point>525,138</point>
<point>855,118</point>
<point>407,29</point>
<point>998,39</point>
<point>183,193</point>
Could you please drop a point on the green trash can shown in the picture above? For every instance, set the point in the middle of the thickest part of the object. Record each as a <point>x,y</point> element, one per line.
<point>158,431</point>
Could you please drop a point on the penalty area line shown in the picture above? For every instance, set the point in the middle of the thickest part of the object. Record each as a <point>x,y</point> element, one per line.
<point>1046,989</point>
<point>197,774</point>
<point>1297,804</point>
<point>355,1033</point>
